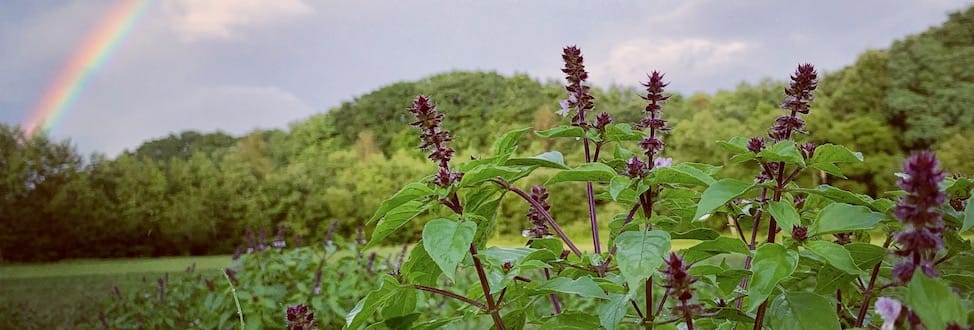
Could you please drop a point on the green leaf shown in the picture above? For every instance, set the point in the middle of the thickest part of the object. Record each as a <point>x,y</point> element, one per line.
<point>562,131</point>
<point>583,286</point>
<point>968,214</point>
<point>611,312</point>
<point>551,159</point>
<point>595,172</point>
<point>680,174</point>
<point>703,234</point>
<point>718,194</point>
<point>829,279</point>
<point>447,242</point>
<point>828,154</point>
<point>486,172</point>
<point>394,219</point>
<point>410,192</point>
<point>570,320</point>
<point>785,214</point>
<point>835,255</point>
<point>784,151</point>
<point>841,196</point>
<point>507,143</point>
<point>865,255</point>
<point>737,145</point>
<point>934,302</point>
<point>841,218</point>
<point>617,185</point>
<point>374,300</point>
<point>420,267</point>
<point>640,253</point>
<point>721,245</point>
<point>485,216</point>
<point>772,263</point>
<point>802,311</point>
<point>622,132</point>
<point>729,279</point>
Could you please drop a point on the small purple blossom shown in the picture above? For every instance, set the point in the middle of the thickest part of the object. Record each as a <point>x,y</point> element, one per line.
<point>434,139</point>
<point>579,94</point>
<point>635,168</point>
<point>755,144</point>
<point>889,309</point>
<point>299,317</point>
<point>663,162</point>
<point>797,101</point>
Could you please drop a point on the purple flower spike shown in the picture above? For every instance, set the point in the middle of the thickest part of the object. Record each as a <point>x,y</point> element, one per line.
<point>299,317</point>
<point>579,94</point>
<point>922,235</point>
<point>434,139</point>
<point>798,100</point>
<point>536,216</point>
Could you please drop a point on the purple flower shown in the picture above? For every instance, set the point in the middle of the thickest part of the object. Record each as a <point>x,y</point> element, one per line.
<point>652,144</point>
<point>579,94</point>
<point>539,227</point>
<point>922,235</point>
<point>663,162</point>
<point>755,144</point>
<point>889,309</point>
<point>299,317</point>
<point>797,100</point>
<point>635,168</point>
<point>799,233</point>
<point>434,138</point>
<point>601,120</point>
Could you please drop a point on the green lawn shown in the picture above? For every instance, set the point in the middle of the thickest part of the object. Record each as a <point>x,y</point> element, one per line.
<point>56,295</point>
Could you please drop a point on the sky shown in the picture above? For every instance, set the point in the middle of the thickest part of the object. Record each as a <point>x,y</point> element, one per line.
<point>239,65</point>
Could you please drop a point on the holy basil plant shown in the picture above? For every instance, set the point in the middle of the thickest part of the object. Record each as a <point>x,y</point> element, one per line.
<point>799,253</point>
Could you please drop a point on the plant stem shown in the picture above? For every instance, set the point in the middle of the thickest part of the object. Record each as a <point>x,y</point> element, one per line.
<point>491,305</point>
<point>772,231</point>
<point>868,294</point>
<point>687,316</point>
<point>592,217</point>
<point>548,218</point>
<point>759,318</point>
<point>753,243</point>
<point>612,251</point>
<point>451,295</point>
<point>659,308</point>
<point>233,292</point>
<point>554,297</point>
<point>650,317</point>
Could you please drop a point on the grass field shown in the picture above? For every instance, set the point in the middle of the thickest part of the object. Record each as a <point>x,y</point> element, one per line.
<point>60,294</point>
<point>57,295</point>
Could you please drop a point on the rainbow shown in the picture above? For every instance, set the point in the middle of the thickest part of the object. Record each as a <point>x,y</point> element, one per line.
<point>87,58</point>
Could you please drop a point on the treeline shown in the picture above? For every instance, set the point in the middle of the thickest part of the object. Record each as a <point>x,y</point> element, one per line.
<point>196,193</point>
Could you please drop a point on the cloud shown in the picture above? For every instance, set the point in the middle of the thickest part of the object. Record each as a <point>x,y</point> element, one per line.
<point>235,109</point>
<point>219,19</point>
<point>690,58</point>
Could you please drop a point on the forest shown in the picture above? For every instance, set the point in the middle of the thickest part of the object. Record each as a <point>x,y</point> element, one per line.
<point>198,193</point>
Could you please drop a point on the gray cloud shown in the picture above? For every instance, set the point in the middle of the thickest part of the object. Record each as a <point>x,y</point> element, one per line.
<point>242,64</point>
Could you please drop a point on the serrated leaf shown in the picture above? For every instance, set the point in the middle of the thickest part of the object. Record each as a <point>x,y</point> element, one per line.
<point>617,185</point>
<point>640,253</point>
<point>680,174</point>
<point>729,279</point>
<point>785,214</point>
<point>595,172</point>
<point>784,151</point>
<point>395,218</point>
<point>374,300</point>
<point>570,320</point>
<point>583,286</point>
<point>551,159</point>
<point>737,145</point>
<point>562,131</point>
<point>802,311</point>
<point>507,143</point>
<point>718,194</point>
<point>410,192</point>
<point>865,255</point>
<point>772,264</point>
<point>934,302</point>
<point>420,268</point>
<point>703,234</point>
<point>841,217</point>
<point>486,172</point>
<point>720,245</point>
<point>447,242</point>
<point>611,312</point>
<point>835,255</point>
<point>622,132</point>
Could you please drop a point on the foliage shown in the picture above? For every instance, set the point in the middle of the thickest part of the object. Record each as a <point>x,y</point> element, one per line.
<point>809,261</point>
